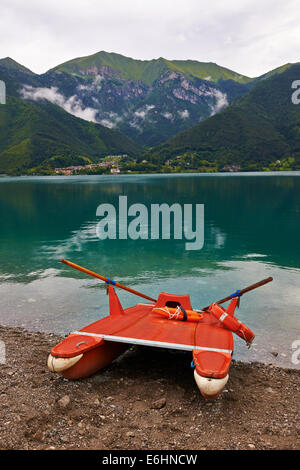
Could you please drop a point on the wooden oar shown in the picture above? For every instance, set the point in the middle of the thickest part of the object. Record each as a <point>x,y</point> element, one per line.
<point>117,284</point>
<point>241,292</point>
<point>106,279</point>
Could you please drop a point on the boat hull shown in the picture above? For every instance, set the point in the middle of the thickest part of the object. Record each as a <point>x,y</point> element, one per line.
<point>210,388</point>
<point>59,364</point>
<point>95,360</point>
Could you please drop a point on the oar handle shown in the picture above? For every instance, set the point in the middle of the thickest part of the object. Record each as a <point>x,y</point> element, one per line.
<point>242,291</point>
<point>105,279</point>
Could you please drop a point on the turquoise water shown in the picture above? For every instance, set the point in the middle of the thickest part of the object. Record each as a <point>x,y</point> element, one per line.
<point>252,224</point>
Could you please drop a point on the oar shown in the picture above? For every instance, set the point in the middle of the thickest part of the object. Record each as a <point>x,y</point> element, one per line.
<point>106,279</point>
<point>238,293</point>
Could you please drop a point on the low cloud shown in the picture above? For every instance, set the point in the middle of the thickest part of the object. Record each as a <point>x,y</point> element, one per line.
<point>111,120</point>
<point>142,113</point>
<point>107,123</point>
<point>94,86</point>
<point>184,114</point>
<point>115,116</point>
<point>72,105</point>
<point>220,103</point>
<point>167,115</point>
<point>135,126</point>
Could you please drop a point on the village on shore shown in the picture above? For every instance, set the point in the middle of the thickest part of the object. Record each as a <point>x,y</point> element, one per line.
<point>110,162</point>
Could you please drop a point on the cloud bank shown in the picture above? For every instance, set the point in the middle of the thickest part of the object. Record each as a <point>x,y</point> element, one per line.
<point>72,105</point>
<point>250,37</point>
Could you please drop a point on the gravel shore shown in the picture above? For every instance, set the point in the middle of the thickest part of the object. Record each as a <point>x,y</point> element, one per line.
<point>147,399</point>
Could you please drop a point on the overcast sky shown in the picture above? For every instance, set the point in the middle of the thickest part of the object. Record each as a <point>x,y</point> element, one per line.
<point>248,36</point>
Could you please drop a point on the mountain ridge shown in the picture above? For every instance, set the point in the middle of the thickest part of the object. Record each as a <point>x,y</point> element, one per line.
<point>11,64</point>
<point>261,128</point>
<point>150,101</point>
<point>136,69</point>
<point>95,110</point>
<point>32,133</point>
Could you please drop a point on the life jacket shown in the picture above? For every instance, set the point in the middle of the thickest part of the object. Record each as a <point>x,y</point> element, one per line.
<point>178,313</point>
<point>232,323</point>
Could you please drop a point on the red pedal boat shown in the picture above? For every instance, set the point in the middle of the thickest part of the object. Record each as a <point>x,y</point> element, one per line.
<point>86,351</point>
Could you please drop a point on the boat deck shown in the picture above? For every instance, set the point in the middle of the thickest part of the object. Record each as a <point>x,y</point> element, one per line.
<point>139,325</point>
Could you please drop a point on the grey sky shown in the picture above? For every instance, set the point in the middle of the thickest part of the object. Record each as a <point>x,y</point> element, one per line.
<point>248,36</point>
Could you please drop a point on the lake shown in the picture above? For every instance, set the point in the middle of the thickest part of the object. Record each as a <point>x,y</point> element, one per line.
<point>251,231</point>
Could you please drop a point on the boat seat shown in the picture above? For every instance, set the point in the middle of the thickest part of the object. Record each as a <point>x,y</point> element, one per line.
<point>211,363</point>
<point>172,300</point>
<point>76,344</point>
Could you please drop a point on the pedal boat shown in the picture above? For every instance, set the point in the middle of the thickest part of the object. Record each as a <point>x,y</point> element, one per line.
<point>84,352</point>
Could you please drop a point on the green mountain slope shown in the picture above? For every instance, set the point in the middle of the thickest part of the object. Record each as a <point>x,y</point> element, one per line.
<point>148,70</point>
<point>263,127</point>
<point>276,71</point>
<point>207,71</point>
<point>32,134</point>
<point>12,65</point>
<point>150,102</point>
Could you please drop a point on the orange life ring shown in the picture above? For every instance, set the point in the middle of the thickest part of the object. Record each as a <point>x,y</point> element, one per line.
<point>178,314</point>
<point>232,323</point>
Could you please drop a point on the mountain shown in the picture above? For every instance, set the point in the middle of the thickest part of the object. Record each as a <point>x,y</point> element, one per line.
<point>262,129</point>
<point>147,71</point>
<point>12,65</point>
<point>206,115</point>
<point>276,71</point>
<point>43,135</point>
<point>149,101</point>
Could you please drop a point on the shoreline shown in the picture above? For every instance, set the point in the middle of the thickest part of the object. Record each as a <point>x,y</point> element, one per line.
<point>146,399</point>
<point>133,173</point>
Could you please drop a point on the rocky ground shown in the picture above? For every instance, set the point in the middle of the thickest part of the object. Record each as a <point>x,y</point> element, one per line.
<point>147,399</point>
